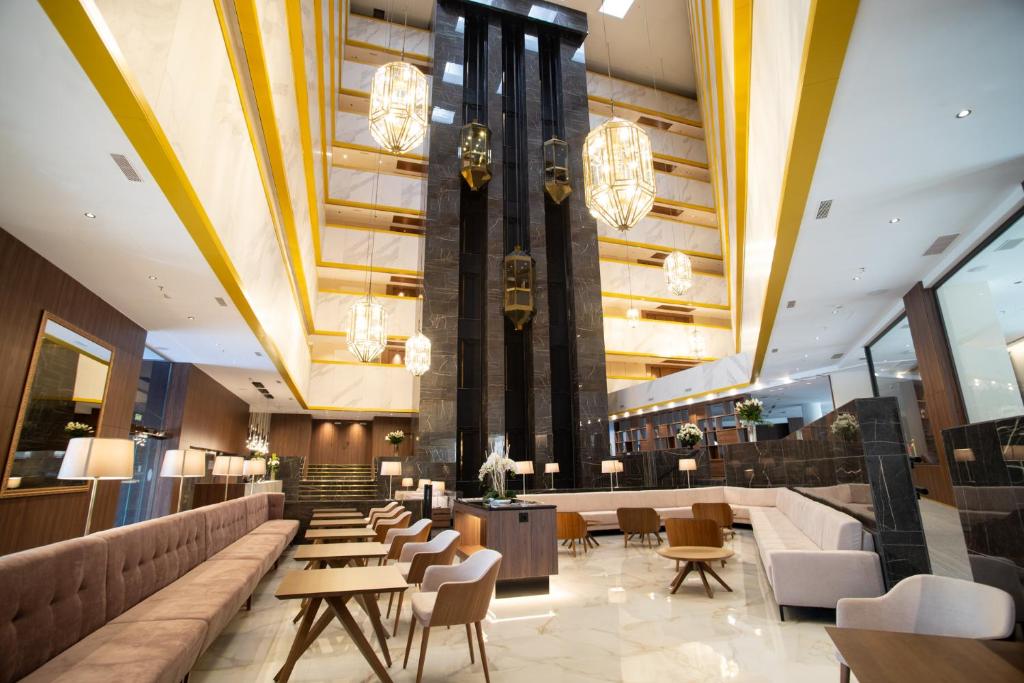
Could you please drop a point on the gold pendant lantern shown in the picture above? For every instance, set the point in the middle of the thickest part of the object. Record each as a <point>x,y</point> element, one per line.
<point>678,273</point>
<point>556,170</point>
<point>475,153</point>
<point>698,348</point>
<point>519,287</point>
<point>632,316</point>
<point>367,329</point>
<point>417,354</point>
<point>618,173</point>
<point>398,107</point>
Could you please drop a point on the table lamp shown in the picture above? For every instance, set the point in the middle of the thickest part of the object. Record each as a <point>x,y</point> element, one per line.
<point>438,487</point>
<point>552,469</point>
<point>91,459</point>
<point>687,465</point>
<point>182,464</point>
<point>422,483</point>
<point>610,467</point>
<point>524,467</point>
<point>390,469</point>
<point>227,466</point>
<point>254,467</point>
<point>408,482</point>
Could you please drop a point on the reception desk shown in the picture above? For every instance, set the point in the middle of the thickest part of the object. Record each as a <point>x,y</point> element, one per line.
<point>523,534</point>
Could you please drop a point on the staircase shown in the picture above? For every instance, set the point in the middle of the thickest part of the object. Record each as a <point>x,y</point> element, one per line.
<point>334,482</point>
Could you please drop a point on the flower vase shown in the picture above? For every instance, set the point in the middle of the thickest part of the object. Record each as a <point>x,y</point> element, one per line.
<point>395,446</point>
<point>273,474</point>
<point>752,432</point>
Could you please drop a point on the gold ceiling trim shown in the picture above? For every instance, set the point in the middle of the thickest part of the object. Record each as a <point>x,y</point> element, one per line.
<point>664,300</point>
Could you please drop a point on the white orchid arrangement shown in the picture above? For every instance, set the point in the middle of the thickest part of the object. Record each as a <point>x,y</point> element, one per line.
<point>497,466</point>
<point>845,427</point>
<point>750,411</point>
<point>396,437</point>
<point>74,429</point>
<point>689,435</point>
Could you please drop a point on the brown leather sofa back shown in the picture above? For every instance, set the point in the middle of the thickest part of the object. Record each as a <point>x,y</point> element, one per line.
<point>50,598</point>
<point>225,524</point>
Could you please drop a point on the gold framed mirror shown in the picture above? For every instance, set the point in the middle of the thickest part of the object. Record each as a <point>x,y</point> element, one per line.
<point>64,395</point>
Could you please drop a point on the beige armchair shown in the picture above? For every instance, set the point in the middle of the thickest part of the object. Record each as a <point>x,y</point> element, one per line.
<point>383,525</point>
<point>387,510</point>
<point>640,522</point>
<point>396,538</point>
<point>459,594</point>
<point>417,557</point>
<point>930,605</point>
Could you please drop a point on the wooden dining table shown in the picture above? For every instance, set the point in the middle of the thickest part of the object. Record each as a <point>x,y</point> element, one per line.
<point>339,587</point>
<point>328,510</point>
<point>888,657</point>
<point>339,522</point>
<point>341,535</point>
<point>338,515</point>
<point>696,557</point>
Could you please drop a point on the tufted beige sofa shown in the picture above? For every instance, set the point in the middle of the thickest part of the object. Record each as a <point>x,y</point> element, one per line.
<point>138,603</point>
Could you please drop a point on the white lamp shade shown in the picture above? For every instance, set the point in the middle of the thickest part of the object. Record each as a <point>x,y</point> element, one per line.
<point>236,466</point>
<point>963,455</point>
<point>422,483</point>
<point>619,466</point>
<point>391,468</point>
<point>438,487</point>
<point>183,463</point>
<point>408,481</point>
<point>687,465</point>
<point>254,467</point>
<point>551,468</point>
<point>608,466</point>
<point>524,467</point>
<point>222,466</point>
<point>92,458</point>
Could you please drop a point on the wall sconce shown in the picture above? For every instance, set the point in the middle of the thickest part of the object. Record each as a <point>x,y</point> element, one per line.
<point>556,170</point>
<point>519,287</point>
<point>475,153</point>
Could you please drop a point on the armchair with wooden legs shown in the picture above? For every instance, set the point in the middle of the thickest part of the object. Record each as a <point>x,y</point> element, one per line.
<point>396,540</point>
<point>383,526</point>
<point>641,522</point>
<point>417,557</point>
<point>720,512</point>
<point>387,510</point>
<point>449,596</point>
<point>693,532</point>
<point>571,528</point>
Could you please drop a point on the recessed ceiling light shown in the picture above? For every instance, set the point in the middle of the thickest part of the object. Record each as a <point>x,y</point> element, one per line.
<point>191,317</point>
<point>615,8</point>
<point>963,113</point>
<point>152,277</point>
<point>894,220</point>
<point>89,214</point>
<point>856,277</point>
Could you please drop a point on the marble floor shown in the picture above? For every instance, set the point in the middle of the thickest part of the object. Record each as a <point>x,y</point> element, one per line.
<point>609,618</point>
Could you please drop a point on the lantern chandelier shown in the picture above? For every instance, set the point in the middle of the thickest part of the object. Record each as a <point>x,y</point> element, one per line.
<point>698,348</point>
<point>417,354</point>
<point>678,272</point>
<point>367,329</point>
<point>398,102</point>
<point>258,440</point>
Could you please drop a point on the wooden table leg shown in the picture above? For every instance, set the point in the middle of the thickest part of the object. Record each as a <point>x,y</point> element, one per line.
<point>299,643</point>
<point>717,577</point>
<point>707,586</point>
<point>370,607</point>
<point>312,564</point>
<point>349,622</point>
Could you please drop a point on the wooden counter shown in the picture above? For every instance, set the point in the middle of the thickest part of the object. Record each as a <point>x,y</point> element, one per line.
<point>523,534</point>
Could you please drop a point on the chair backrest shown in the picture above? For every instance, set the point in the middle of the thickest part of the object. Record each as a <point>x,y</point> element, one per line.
<point>382,511</point>
<point>397,538</point>
<point>384,525</point>
<point>702,532</point>
<point>570,525</point>
<point>440,550</point>
<point>466,589</point>
<point>638,520</point>
<point>721,513</point>
<point>387,516</point>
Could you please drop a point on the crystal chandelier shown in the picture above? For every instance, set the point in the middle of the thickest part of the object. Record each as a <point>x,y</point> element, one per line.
<point>698,349</point>
<point>632,316</point>
<point>417,354</point>
<point>258,441</point>
<point>367,328</point>
<point>678,272</point>
<point>398,107</point>
<point>618,173</point>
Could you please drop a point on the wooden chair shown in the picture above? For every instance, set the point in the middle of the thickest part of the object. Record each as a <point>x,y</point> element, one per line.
<point>720,512</point>
<point>454,595</point>
<point>378,512</point>
<point>699,532</point>
<point>397,538</point>
<point>390,515</point>
<point>640,522</point>
<point>570,527</point>
<point>383,526</point>
<point>417,557</point>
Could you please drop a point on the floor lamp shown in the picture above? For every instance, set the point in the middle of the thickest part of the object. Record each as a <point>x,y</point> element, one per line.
<point>91,459</point>
<point>390,469</point>
<point>523,468</point>
<point>552,469</point>
<point>687,465</point>
<point>610,467</point>
<point>227,466</point>
<point>183,464</point>
<point>254,467</point>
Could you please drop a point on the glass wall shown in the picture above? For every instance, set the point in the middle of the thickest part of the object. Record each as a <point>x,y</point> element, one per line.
<point>982,307</point>
<point>893,363</point>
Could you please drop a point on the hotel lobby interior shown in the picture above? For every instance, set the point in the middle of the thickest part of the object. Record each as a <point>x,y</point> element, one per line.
<point>512,340</point>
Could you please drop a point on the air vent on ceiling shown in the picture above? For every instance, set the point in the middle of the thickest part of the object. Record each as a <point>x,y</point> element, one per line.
<point>976,269</point>
<point>877,292</point>
<point>836,356</point>
<point>791,303</point>
<point>258,385</point>
<point>823,209</point>
<point>775,350</point>
<point>269,396</point>
<point>129,171</point>
<point>258,353</point>
<point>1009,244</point>
<point>940,244</point>
<point>220,301</point>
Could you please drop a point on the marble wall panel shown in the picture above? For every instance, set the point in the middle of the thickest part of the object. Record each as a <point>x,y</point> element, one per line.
<point>643,280</point>
<point>310,25</point>
<point>494,317</point>
<point>665,338</point>
<point>688,190</point>
<point>354,128</point>
<point>641,95</point>
<point>362,387</point>
<point>667,235</point>
<point>332,312</point>
<point>354,185</point>
<point>389,34</point>
<point>666,142</point>
<point>716,375</point>
<point>390,249</point>
<point>359,76</point>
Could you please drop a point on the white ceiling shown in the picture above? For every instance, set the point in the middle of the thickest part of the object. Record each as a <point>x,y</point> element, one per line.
<point>893,148</point>
<point>56,137</point>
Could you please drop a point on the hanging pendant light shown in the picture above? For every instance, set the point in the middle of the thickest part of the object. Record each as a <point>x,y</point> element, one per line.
<point>417,354</point>
<point>698,349</point>
<point>618,173</point>
<point>678,272</point>
<point>632,316</point>
<point>367,329</point>
<point>398,107</point>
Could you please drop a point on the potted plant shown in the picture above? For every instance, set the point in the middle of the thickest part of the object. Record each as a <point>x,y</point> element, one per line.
<point>395,438</point>
<point>76,430</point>
<point>496,467</point>
<point>689,435</point>
<point>273,462</point>
<point>750,413</point>
<point>845,427</point>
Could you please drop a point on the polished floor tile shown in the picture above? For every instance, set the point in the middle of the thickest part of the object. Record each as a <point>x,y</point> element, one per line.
<point>609,617</point>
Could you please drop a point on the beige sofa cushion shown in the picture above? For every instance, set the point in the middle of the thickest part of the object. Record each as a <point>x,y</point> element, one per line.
<point>748,497</point>
<point>829,529</point>
<point>265,548</point>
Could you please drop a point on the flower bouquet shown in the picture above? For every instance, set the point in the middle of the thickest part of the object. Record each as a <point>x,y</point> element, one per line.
<point>845,427</point>
<point>750,413</point>
<point>689,435</point>
<point>77,429</point>
<point>273,462</point>
<point>395,438</point>
<point>497,467</point>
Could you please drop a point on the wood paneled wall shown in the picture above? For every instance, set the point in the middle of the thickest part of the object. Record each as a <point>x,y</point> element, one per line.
<point>290,434</point>
<point>941,390</point>
<point>381,427</point>
<point>343,443</point>
<point>30,285</point>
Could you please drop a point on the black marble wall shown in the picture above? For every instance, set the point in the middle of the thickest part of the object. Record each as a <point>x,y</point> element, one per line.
<point>986,464</point>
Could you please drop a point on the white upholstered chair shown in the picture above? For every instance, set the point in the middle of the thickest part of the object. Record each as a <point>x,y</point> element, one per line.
<point>452,595</point>
<point>416,558</point>
<point>396,539</point>
<point>387,510</point>
<point>930,605</point>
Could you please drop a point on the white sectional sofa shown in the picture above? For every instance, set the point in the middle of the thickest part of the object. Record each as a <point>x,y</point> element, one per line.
<point>812,554</point>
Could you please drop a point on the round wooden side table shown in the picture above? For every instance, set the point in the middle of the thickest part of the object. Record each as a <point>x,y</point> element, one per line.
<point>696,557</point>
